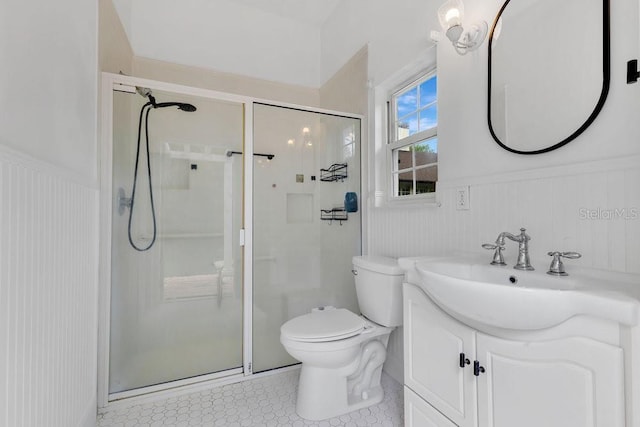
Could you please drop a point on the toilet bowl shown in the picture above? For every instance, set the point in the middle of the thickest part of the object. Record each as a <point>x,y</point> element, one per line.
<point>342,353</point>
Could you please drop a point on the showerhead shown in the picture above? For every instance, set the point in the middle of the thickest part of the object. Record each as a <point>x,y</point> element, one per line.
<point>187,107</point>
<point>181,106</point>
<point>146,92</point>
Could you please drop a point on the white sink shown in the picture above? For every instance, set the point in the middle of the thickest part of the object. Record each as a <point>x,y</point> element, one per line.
<point>526,300</point>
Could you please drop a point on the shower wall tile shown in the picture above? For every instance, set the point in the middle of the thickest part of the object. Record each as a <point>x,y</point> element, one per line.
<point>48,295</point>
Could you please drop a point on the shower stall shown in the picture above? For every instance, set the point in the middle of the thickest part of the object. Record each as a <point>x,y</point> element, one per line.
<point>223,216</point>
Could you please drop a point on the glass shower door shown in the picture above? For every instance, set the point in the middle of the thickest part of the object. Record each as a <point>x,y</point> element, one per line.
<point>176,308</point>
<point>303,240</point>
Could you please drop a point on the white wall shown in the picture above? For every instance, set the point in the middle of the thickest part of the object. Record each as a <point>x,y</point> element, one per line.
<point>48,304</point>
<point>544,192</point>
<point>395,32</point>
<point>224,82</point>
<point>48,81</point>
<point>115,53</point>
<point>48,212</point>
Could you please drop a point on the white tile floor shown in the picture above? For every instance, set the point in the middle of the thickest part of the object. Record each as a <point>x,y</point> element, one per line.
<point>266,401</point>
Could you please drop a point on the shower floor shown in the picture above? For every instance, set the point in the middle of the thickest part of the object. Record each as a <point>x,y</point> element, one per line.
<point>265,401</point>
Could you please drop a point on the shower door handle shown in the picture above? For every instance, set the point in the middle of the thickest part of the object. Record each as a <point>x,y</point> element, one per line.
<point>123,201</point>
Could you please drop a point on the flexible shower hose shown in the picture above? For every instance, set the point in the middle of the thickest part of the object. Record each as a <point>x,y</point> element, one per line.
<point>135,178</point>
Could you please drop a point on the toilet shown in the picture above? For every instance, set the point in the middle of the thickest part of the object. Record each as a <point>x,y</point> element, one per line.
<point>341,352</point>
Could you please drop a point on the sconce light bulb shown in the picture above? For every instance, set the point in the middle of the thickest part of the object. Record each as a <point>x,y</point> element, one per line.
<point>452,17</point>
<point>309,143</point>
<point>290,142</point>
<point>451,13</point>
<point>305,130</point>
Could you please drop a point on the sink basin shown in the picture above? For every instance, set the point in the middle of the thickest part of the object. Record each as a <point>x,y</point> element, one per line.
<point>526,300</point>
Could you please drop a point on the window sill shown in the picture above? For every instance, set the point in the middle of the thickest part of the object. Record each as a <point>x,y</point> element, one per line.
<point>430,201</point>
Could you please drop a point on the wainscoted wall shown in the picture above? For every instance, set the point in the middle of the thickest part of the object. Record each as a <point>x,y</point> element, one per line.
<point>48,295</point>
<point>592,208</point>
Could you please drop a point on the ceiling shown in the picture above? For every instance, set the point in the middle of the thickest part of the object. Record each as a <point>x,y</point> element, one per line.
<point>313,12</point>
<point>276,40</point>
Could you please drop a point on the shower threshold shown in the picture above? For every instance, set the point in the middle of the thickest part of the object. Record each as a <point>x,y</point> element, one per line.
<point>190,384</point>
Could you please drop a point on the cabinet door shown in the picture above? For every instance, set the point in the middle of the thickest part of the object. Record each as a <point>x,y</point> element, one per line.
<point>418,413</point>
<point>572,382</point>
<point>433,342</point>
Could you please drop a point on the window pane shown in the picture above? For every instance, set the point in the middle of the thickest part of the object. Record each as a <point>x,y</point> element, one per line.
<point>428,92</point>
<point>402,130</point>
<point>414,167</point>
<point>405,184</point>
<point>429,117</point>
<point>407,102</point>
<point>426,179</point>
<point>402,158</point>
<point>407,126</point>
<point>426,152</point>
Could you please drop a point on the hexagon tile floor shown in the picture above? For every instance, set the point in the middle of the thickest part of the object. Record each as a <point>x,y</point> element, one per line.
<point>267,401</point>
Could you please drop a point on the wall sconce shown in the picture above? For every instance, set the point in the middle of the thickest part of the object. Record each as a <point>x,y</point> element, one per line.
<point>450,15</point>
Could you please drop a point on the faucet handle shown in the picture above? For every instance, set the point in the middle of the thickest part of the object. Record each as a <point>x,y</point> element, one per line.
<point>492,246</point>
<point>557,267</point>
<point>498,258</point>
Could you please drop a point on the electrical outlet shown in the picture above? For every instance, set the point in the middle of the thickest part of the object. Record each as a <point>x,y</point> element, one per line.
<point>462,198</point>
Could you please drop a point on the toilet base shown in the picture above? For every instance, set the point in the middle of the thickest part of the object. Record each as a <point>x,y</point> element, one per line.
<point>324,393</point>
<point>339,376</point>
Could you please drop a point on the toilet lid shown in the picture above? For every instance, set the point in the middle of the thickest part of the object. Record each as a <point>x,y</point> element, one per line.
<point>326,325</point>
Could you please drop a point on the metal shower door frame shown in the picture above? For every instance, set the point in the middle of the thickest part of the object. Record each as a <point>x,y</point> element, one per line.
<point>117,82</point>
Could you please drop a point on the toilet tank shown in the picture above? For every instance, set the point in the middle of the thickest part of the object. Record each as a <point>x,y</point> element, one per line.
<point>379,288</point>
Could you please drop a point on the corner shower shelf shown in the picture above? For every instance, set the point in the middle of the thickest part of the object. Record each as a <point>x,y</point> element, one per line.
<point>335,214</point>
<point>335,172</point>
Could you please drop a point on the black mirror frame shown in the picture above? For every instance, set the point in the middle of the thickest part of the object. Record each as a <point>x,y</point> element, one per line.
<point>606,77</point>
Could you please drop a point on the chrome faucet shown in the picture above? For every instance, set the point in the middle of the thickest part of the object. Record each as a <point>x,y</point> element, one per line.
<point>522,239</point>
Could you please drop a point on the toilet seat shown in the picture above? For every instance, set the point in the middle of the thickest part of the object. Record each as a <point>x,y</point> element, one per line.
<point>324,325</point>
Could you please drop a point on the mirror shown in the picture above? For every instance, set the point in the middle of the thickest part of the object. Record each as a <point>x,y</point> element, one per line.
<point>548,72</point>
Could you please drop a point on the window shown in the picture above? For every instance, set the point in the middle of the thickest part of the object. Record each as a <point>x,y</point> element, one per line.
<point>413,138</point>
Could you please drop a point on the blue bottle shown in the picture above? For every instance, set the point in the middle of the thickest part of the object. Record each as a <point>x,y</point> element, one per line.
<point>351,202</point>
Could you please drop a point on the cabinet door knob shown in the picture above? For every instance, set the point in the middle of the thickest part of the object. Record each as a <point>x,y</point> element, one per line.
<point>477,369</point>
<point>464,361</point>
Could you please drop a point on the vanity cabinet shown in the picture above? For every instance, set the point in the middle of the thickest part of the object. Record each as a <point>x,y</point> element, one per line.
<point>458,376</point>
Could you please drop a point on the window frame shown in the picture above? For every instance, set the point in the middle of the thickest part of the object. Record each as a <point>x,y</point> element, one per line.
<point>393,144</point>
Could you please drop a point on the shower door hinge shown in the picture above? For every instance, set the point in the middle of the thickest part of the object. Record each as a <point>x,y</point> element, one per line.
<point>242,237</point>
